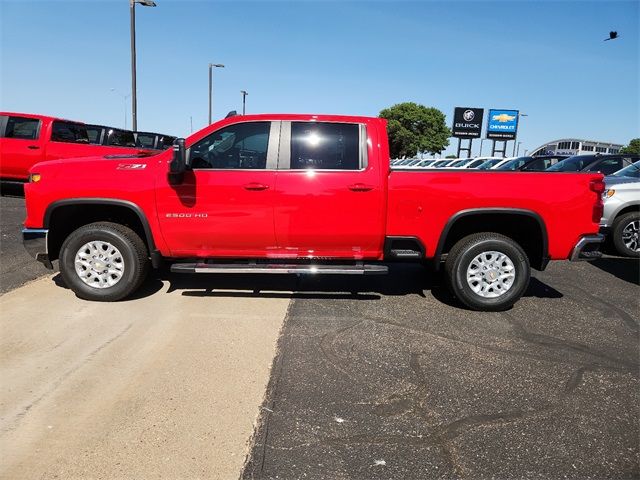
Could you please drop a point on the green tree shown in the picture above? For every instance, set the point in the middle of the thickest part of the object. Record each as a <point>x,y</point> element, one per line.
<point>633,147</point>
<point>414,128</point>
<point>451,156</point>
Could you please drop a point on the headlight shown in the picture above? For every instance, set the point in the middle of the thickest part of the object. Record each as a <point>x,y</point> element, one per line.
<point>34,177</point>
<point>608,193</point>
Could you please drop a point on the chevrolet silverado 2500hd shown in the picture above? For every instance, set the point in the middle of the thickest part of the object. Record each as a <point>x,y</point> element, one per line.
<point>303,194</point>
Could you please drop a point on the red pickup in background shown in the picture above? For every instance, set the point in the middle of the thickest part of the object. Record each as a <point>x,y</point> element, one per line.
<point>27,139</point>
<point>303,194</point>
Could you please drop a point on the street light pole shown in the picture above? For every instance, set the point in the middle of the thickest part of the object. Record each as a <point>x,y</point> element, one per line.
<point>211,65</point>
<point>516,136</point>
<point>518,150</point>
<point>244,100</point>
<point>124,99</point>
<point>134,97</point>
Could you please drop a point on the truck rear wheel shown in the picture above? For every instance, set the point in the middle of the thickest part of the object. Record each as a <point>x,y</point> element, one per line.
<point>625,233</point>
<point>487,271</point>
<point>103,261</point>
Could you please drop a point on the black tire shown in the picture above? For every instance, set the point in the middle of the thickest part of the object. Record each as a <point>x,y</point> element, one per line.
<point>133,251</point>
<point>619,225</point>
<point>463,254</point>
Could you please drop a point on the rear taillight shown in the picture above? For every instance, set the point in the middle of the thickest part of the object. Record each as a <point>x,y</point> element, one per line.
<point>597,186</point>
<point>598,210</point>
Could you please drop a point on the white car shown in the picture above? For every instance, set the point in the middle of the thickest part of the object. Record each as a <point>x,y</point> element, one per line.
<point>502,162</point>
<point>473,163</point>
<point>446,163</point>
<point>489,162</point>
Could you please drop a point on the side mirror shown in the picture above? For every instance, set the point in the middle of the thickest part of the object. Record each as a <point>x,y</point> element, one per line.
<point>179,162</point>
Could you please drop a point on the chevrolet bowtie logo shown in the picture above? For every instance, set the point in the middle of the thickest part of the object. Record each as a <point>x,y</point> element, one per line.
<point>503,117</point>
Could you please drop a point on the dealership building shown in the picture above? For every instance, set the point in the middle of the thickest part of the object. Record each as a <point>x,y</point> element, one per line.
<point>575,146</point>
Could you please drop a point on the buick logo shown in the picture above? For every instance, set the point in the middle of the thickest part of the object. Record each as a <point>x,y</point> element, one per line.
<point>468,115</point>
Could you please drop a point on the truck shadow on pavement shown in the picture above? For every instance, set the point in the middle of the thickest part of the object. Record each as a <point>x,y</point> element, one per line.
<point>12,189</point>
<point>627,269</point>
<point>151,285</point>
<point>401,280</point>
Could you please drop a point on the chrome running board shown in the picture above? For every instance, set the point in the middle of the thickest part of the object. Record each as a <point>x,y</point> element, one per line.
<point>323,269</point>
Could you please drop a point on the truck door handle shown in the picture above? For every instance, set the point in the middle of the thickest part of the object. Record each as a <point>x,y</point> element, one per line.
<point>360,187</point>
<point>255,186</point>
<point>33,147</point>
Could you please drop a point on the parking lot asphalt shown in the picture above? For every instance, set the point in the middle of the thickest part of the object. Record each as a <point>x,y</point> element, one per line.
<point>374,377</point>
<point>395,380</point>
<point>16,266</point>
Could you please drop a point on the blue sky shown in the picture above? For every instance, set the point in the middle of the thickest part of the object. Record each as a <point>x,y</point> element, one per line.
<point>545,58</point>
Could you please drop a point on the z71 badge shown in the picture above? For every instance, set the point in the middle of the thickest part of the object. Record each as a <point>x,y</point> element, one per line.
<point>131,166</point>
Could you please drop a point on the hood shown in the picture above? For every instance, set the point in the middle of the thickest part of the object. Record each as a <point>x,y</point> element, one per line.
<point>611,180</point>
<point>101,162</point>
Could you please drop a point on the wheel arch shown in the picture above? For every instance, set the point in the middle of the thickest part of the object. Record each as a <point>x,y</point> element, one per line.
<point>466,222</point>
<point>629,207</point>
<point>87,210</point>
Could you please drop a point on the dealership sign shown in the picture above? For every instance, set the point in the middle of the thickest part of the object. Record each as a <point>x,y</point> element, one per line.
<point>467,122</point>
<point>502,125</point>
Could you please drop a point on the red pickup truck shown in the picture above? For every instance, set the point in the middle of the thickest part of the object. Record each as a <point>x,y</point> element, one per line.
<point>27,139</point>
<point>303,194</point>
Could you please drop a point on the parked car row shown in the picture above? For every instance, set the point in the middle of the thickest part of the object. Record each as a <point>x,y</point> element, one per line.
<point>27,139</point>
<point>605,164</point>
<point>621,219</point>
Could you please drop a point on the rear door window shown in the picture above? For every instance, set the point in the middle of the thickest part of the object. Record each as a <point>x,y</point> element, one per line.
<point>120,138</point>
<point>94,134</point>
<point>325,146</point>
<point>145,140</point>
<point>22,128</point>
<point>69,132</point>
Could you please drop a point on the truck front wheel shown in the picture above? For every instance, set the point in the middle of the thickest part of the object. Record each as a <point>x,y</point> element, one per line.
<point>103,261</point>
<point>487,271</point>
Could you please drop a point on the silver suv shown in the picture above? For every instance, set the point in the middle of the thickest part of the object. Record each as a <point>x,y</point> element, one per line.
<point>621,218</point>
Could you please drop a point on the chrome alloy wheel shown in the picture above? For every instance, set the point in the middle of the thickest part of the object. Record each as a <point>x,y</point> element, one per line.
<point>630,235</point>
<point>99,264</point>
<point>491,274</point>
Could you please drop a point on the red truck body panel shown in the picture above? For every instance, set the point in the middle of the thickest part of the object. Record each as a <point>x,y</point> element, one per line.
<point>19,155</point>
<point>421,204</point>
<point>321,214</point>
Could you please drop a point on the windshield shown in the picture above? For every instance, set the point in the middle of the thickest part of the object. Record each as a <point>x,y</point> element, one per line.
<point>571,164</point>
<point>474,164</point>
<point>632,170</point>
<point>440,163</point>
<point>165,141</point>
<point>514,164</point>
<point>460,163</point>
<point>489,163</point>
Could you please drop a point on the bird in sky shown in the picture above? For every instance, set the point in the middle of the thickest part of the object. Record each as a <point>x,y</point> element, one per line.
<point>612,36</point>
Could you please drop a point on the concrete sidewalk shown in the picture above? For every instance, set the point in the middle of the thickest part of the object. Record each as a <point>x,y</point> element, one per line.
<point>165,385</point>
